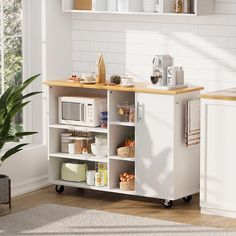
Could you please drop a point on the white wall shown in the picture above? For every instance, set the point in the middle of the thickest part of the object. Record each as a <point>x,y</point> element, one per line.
<point>28,169</point>
<point>204,45</point>
<point>49,53</point>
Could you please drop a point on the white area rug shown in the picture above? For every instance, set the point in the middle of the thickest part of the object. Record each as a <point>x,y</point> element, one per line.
<point>53,220</point>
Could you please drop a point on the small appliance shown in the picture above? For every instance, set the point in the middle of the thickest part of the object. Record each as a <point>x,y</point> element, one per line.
<point>73,172</point>
<point>81,110</point>
<point>160,64</point>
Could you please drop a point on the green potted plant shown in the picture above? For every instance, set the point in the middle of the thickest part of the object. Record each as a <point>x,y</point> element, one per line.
<point>12,102</point>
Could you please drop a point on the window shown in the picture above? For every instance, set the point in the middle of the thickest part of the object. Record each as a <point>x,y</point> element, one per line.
<point>11,61</point>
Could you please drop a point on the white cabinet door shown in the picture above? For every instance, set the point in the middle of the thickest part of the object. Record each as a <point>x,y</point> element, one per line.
<point>218,159</point>
<point>154,145</point>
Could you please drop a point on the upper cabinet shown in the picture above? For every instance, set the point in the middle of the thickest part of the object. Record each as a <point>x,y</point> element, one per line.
<point>142,7</point>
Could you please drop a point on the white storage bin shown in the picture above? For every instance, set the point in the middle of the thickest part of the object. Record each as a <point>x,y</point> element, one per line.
<point>123,5</point>
<point>135,5</point>
<point>149,5</point>
<point>100,5</point>
<point>112,5</point>
<point>129,5</point>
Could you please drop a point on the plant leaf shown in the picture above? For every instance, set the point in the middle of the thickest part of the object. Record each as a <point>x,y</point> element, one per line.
<point>30,95</point>
<point>5,128</point>
<point>17,108</point>
<point>28,82</point>
<point>12,151</point>
<point>21,134</point>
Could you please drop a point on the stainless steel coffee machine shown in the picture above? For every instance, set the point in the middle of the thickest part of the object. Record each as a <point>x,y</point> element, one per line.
<point>160,64</point>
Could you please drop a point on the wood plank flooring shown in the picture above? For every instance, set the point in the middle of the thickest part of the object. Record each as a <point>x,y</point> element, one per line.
<point>181,212</point>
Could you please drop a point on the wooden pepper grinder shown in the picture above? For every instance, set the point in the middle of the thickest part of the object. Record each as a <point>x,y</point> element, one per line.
<point>100,70</point>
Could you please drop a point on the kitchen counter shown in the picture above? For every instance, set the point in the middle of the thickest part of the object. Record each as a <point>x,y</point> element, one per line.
<point>139,87</point>
<point>226,94</point>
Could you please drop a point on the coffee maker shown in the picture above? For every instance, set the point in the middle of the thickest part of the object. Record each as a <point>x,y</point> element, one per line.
<point>160,64</point>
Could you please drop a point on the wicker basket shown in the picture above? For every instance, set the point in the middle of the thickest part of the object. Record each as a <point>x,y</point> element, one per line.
<point>128,185</point>
<point>126,151</point>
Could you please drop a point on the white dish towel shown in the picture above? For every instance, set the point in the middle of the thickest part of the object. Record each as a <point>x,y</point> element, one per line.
<point>192,122</point>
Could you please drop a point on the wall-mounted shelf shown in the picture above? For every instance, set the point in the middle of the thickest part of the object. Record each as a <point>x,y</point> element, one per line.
<point>201,7</point>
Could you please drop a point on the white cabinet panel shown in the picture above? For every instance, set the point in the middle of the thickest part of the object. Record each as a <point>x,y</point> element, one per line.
<point>154,145</point>
<point>218,162</point>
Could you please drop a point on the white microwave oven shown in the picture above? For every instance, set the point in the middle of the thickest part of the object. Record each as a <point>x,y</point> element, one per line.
<point>81,110</point>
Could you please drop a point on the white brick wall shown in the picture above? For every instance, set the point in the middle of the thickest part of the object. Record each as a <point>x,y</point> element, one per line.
<point>205,46</point>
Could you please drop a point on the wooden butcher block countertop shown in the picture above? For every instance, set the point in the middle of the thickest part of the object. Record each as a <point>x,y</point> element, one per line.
<point>139,87</point>
<point>227,94</point>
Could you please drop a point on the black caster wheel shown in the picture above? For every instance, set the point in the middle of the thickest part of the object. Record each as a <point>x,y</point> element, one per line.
<point>168,204</point>
<point>188,198</point>
<point>59,188</point>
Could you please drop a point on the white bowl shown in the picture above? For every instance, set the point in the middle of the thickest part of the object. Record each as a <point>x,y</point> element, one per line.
<point>100,140</point>
<point>99,150</point>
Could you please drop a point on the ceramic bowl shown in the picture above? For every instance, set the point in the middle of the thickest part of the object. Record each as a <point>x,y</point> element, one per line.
<point>99,150</point>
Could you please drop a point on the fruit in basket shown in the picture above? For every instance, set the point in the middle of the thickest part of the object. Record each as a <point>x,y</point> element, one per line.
<point>127,177</point>
<point>129,143</point>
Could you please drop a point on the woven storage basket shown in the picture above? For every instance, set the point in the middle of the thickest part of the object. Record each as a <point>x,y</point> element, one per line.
<point>128,185</point>
<point>126,151</point>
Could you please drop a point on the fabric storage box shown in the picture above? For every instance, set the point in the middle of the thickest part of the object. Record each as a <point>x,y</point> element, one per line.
<point>83,4</point>
<point>73,172</point>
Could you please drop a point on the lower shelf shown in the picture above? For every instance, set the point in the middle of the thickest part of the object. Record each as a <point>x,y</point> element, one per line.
<point>77,185</point>
<point>84,185</point>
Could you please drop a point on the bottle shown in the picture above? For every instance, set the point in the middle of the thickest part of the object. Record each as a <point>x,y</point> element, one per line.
<point>100,70</point>
<point>180,76</point>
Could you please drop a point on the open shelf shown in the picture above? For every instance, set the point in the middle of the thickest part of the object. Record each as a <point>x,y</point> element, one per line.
<point>77,185</point>
<point>200,7</point>
<point>130,124</point>
<point>79,128</point>
<point>129,13</point>
<point>80,157</point>
<point>85,186</point>
<point>122,158</point>
<point>117,190</point>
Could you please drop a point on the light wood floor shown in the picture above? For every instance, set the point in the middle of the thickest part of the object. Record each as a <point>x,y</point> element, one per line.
<point>181,212</point>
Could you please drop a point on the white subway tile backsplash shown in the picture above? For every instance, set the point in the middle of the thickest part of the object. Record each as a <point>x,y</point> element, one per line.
<point>205,45</point>
<point>206,30</point>
<point>227,31</point>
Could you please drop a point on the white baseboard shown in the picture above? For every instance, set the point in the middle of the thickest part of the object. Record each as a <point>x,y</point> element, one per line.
<point>29,186</point>
<point>218,212</point>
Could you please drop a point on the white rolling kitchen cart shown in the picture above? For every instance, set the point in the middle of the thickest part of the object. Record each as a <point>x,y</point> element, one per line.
<point>164,167</point>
